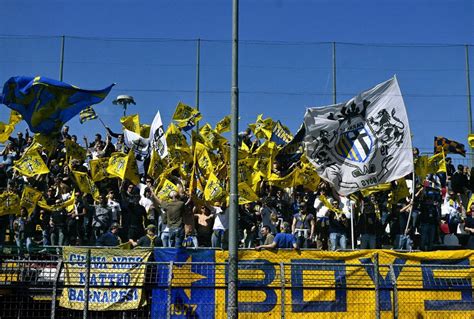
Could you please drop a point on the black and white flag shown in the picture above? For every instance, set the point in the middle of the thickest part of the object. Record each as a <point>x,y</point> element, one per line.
<point>157,136</point>
<point>363,142</point>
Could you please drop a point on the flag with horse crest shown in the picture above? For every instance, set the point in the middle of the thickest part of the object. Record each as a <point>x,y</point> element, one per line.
<point>362,142</point>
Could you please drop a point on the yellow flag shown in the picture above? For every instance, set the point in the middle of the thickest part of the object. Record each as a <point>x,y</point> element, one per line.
<point>131,123</point>
<point>400,191</point>
<point>264,158</point>
<point>211,138</point>
<point>471,201</point>
<point>145,130</point>
<point>5,131</point>
<point>179,154</point>
<point>174,137</point>
<point>98,168</point>
<point>203,160</point>
<point>48,142</point>
<point>9,203</point>
<point>165,190</point>
<point>214,189</point>
<point>283,182</point>
<point>185,116</point>
<point>85,184</point>
<point>375,189</point>
<point>15,117</point>
<point>117,165</point>
<point>437,163</point>
<point>246,194</point>
<point>31,164</point>
<point>29,198</point>
<point>326,203</point>
<point>470,140</point>
<point>307,176</point>
<point>67,205</point>
<point>74,150</point>
<point>132,169</point>
<point>262,128</point>
<point>156,166</point>
<point>425,165</point>
<point>245,170</point>
<point>223,125</point>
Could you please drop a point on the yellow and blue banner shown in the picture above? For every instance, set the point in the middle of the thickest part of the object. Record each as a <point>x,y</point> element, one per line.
<point>47,104</point>
<point>316,284</point>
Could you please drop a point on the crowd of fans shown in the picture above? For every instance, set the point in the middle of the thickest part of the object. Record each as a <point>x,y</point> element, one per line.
<point>281,218</point>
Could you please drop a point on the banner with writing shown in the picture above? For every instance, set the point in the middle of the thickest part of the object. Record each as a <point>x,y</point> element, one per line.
<point>315,283</point>
<point>115,282</point>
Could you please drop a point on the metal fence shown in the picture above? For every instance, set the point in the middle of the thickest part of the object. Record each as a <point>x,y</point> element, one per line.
<point>32,289</point>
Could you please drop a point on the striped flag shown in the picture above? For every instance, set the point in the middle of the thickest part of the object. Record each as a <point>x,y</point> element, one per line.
<point>87,114</point>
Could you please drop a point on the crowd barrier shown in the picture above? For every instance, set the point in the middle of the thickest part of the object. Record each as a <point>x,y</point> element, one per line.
<point>191,283</point>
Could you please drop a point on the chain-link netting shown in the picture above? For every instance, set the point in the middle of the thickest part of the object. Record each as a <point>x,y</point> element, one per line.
<point>280,284</point>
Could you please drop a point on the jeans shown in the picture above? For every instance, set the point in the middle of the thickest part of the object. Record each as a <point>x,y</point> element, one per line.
<point>427,232</point>
<point>57,236</point>
<point>218,239</point>
<point>367,241</point>
<point>176,236</point>
<point>334,238</point>
<point>403,242</point>
<point>165,238</point>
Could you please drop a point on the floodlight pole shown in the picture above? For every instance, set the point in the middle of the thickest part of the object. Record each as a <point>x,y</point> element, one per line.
<point>198,71</point>
<point>232,289</point>
<point>334,96</point>
<point>61,60</point>
<point>469,110</point>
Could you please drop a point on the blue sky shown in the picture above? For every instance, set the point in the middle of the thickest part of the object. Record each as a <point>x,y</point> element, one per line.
<point>285,60</point>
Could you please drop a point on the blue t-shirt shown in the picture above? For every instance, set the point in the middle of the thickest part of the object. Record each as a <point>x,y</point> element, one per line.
<point>284,240</point>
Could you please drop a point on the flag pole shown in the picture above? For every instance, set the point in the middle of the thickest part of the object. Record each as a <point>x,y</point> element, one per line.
<point>469,110</point>
<point>61,63</point>
<point>412,199</point>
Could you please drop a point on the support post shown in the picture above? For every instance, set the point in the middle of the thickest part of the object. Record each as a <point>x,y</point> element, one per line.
<point>55,288</point>
<point>170,285</point>
<point>377,286</point>
<point>232,308</point>
<point>86,286</point>
<point>393,279</point>
<point>283,288</point>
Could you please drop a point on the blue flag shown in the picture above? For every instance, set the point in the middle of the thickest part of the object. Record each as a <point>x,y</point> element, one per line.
<point>47,104</point>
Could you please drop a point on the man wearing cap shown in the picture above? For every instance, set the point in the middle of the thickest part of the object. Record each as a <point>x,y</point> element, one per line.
<point>110,238</point>
<point>149,240</point>
<point>285,239</point>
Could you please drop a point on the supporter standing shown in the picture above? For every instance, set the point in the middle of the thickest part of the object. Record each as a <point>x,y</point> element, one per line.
<point>219,236</point>
<point>367,225</point>
<point>338,226</point>
<point>101,218</point>
<point>173,218</point>
<point>429,217</point>
<point>303,226</point>
<point>58,226</point>
<point>204,223</point>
